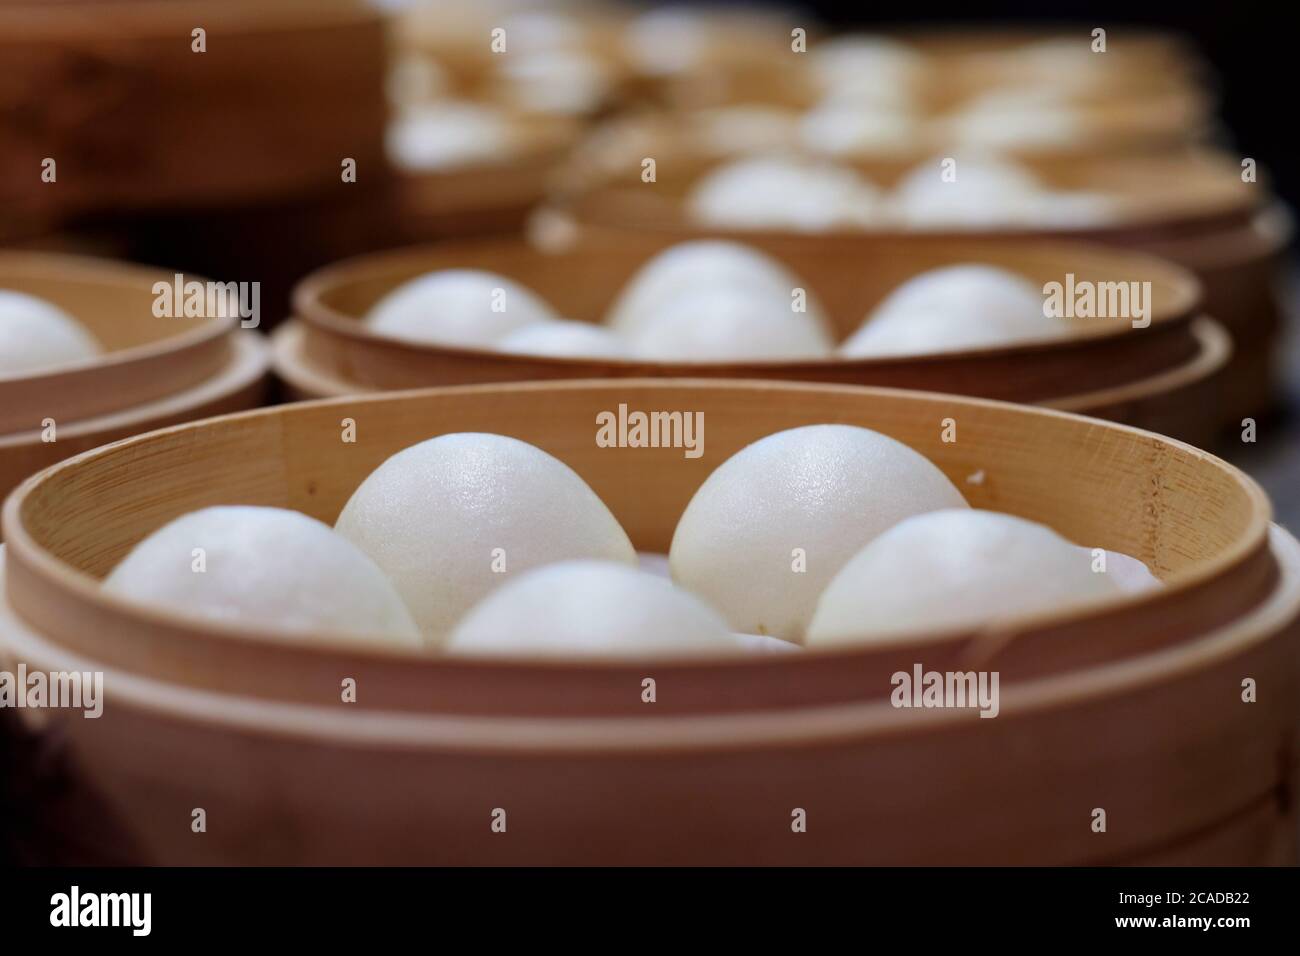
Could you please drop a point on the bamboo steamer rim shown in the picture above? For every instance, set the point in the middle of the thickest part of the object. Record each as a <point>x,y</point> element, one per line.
<point>967,52</point>
<point>310,382</point>
<point>236,385</point>
<point>56,266</point>
<point>1215,351</point>
<point>82,589</point>
<point>1107,133</point>
<point>602,201</point>
<point>514,182</point>
<point>1141,53</point>
<point>310,294</point>
<point>538,139</point>
<point>1266,234</point>
<point>1275,620</point>
<point>248,360</point>
<point>596,211</point>
<point>1215,348</point>
<point>491,196</point>
<point>1125,234</point>
<point>996,37</point>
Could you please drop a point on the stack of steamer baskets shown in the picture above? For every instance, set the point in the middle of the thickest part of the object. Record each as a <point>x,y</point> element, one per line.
<point>152,371</point>
<point>1191,210</point>
<point>1157,727</point>
<point>488,102</point>
<point>1136,132</point>
<point>1136,707</point>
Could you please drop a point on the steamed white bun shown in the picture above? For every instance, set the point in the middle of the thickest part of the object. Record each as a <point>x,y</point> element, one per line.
<point>590,608</point>
<point>564,339</point>
<point>970,287</point>
<point>449,134</point>
<point>453,517</point>
<point>558,82</point>
<point>1129,574</point>
<point>667,41</point>
<point>990,193</point>
<point>983,192</point>
<point>469,308</point>
<point>951,569</point>
<point>745,128</point>
<point>36,335</point>
<point>772,525</point>
<point>702,264</point>
<point>955,307</point>
<point>268,567</point>
<point>801,196</point>
<point>869,70</point>
<point>836,130</point>
<point>1016,119</point>
<point>729,324</point>
<point>533,31</point>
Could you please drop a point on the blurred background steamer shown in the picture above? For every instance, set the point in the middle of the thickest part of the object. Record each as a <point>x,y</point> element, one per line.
<point>334,128</point>
<point>1189,205</point>
<point>138,371</point>
<point>1061,138</point>
<point>257,141</point>
<point>1160,377</point>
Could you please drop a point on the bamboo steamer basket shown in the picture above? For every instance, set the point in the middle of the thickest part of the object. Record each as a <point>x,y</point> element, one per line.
<point>1141,376</point>
<point>1181,194</point>
<point>1150,126</point>
<point>484,198</point>
<point>951,69</point>
<point>1206,782</point>
<point>288,90</point>
<point>1164,402</point>
<point>1198,523</point>
<point>154,371</point>
<point>1242,272</point>
<point>238,383</point>
<point>713,51</point>
<point>1190,207</point>
<point>1133,52</point>
<point>454,42</point>
<point>145,357</point>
